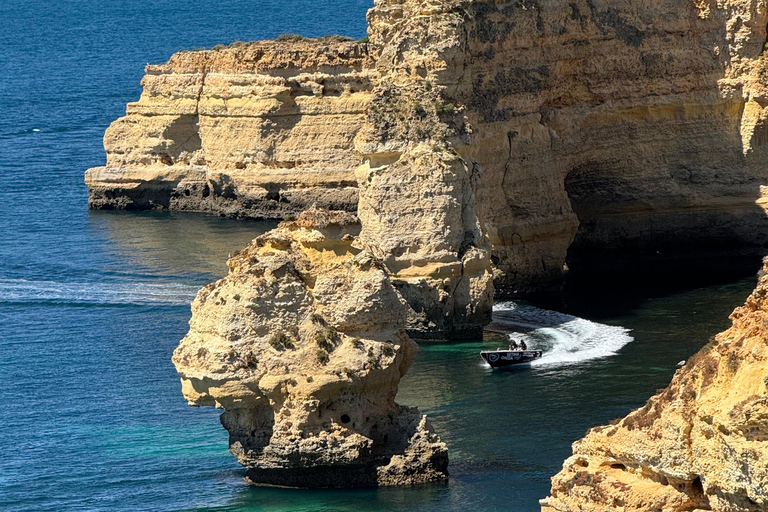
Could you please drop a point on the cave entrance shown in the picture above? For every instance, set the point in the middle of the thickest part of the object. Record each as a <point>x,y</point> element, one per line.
<point>644,233</point>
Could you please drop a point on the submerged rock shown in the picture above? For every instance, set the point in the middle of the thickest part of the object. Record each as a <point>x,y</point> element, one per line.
<point>303,344</point>
<point>698,445</point>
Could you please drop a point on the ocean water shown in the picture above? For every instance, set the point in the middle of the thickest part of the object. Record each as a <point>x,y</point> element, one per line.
<point>92,304</point>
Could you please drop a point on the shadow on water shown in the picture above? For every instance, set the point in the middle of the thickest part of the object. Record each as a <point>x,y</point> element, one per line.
<point>517,425</point>
<point>178,243</point>
<point>598,296</point>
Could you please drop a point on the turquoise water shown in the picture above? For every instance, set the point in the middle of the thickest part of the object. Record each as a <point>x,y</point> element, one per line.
<point>92,304</point>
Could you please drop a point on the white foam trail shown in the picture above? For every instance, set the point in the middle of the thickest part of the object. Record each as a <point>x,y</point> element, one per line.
<point>563,338</point>
<point>21,290</point>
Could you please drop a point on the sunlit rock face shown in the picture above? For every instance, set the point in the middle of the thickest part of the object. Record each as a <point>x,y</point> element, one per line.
<point>303,345</point>
<point>697,445</point>
<point>258,130</point>
<point>608,137</point>
<point>600,133</point>
<point>484,145</point>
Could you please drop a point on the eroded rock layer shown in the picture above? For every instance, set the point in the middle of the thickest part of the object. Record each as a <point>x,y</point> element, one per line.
<point>596,132</point>
<point>303,344</point>
<point>250,130</point>
<point>698,445</point>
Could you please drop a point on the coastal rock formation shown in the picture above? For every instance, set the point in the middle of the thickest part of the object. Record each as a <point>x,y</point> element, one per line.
<point>303,345</point>
<point>698,445</point>
<point>249,130</point>
<point>601,134</point>
<point>417,199</point>
<point>597,132</point>
<point>486,147</point>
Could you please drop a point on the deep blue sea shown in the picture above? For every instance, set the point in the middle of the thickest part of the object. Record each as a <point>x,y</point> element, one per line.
<point>92,304</point>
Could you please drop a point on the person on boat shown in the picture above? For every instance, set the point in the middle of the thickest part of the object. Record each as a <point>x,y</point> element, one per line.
<point>513,345</point>
<point>523,346</point>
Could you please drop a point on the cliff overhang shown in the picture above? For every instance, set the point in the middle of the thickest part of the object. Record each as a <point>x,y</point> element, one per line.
<point>601,138</point>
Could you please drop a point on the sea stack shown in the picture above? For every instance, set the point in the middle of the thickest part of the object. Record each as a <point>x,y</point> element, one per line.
<point>486,147</point>
<point>303,344</point>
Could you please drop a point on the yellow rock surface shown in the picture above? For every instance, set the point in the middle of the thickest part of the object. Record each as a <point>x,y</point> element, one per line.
<point>608,136</point>
<point>250,130</point>
<point>698,445</point>
<point>303,346</point>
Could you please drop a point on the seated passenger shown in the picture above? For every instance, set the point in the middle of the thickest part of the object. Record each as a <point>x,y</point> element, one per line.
<point>513,345</point>
<point>523,346</point>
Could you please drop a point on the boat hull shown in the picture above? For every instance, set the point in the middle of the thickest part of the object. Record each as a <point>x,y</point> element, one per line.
<point>501,358</point>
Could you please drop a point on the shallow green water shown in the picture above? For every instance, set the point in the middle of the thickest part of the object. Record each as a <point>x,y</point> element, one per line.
<point>93,418</point>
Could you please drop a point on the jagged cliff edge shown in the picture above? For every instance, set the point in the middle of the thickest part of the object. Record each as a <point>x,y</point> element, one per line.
<point>700,444</point>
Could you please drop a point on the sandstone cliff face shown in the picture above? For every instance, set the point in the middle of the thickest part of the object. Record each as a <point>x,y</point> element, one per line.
<point>250,130</point>
<point>303,344</point>
<point>597,133</point>
<point>417,194</point>
<point>698,445</point>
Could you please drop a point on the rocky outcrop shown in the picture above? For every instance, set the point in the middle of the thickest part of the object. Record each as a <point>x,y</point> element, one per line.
<point>249,130</point>
<point>303,344</point>
<point>469,134</point>
<point>268,129</point>
<point>597,134</point>
<point>698,445</point>
<point>600,133</point>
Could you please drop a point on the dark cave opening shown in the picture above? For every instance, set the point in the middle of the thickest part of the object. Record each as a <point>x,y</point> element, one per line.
<point>633,238</point>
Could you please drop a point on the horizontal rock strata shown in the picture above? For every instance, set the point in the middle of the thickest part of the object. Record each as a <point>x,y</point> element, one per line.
<point>698,445</point>
<point>303,345</point>
<point>249,130</point>
<point>596,133</point>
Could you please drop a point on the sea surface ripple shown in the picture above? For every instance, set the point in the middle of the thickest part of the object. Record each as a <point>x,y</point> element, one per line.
<point>92,304</point>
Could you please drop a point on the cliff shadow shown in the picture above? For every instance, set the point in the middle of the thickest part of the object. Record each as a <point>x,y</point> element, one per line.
<point>649,128</point>
<point>693,220</point>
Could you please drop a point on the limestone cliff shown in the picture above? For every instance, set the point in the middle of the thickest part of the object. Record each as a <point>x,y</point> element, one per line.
<point>531,133</point>
<point>249,130</point>
<point>303,345</point>
<point>468,134</point>
<point>596,132</point>
<point>698,445</point>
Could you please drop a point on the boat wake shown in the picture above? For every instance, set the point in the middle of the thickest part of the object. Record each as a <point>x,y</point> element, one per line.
<point>104,293</point>
<point>563,338</point>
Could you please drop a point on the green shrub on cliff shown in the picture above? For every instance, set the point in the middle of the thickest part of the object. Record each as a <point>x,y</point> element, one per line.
<point>327,339</point>
<point>281,341</point>
<point>444,108</point>
<point>289,38</point>
<point>336,38</point>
